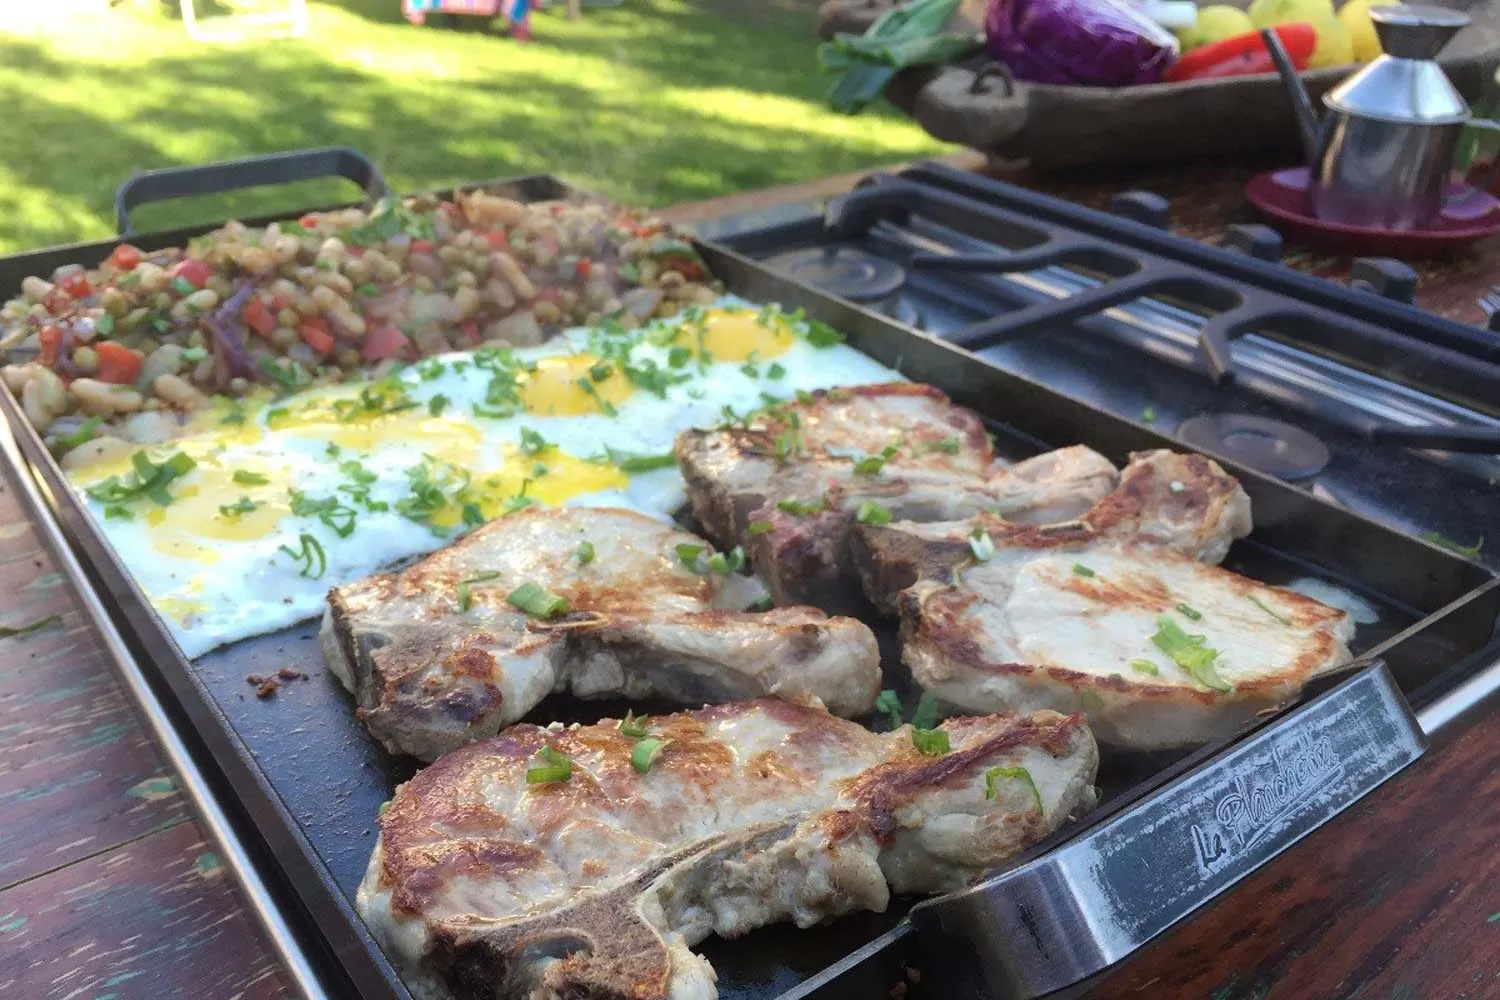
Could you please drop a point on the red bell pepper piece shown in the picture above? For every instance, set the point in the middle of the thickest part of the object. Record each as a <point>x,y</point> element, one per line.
<point>497,240</point>
<point>77,285</point>
<point>50,340</point>
<point>314,333</point>
<point>194,271</point>
<point>125,257</point>
<point>382,340</point>
<point>118,364</point>
<point>1244,55</point>
<point>421,246</point>
<point>258,317</point>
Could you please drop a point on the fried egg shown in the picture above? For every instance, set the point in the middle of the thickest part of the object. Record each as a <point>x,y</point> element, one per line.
<point>240,525</point>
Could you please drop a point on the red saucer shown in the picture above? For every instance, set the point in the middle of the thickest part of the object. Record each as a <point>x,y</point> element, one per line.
<point>1469,214</point>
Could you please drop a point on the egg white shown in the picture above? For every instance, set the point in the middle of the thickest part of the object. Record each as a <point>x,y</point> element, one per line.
<point>219,577</point>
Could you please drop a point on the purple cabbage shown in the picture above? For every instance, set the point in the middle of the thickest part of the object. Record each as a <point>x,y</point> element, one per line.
<point>229,333</point>
<point>1092,43</point>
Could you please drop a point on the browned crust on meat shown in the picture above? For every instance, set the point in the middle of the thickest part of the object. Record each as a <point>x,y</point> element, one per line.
<point>883,790</point>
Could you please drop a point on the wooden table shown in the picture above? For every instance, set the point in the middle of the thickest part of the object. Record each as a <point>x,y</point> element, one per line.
<point>108,890</point>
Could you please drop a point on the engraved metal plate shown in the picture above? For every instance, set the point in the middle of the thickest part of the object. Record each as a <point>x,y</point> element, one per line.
<point>1071,913</point>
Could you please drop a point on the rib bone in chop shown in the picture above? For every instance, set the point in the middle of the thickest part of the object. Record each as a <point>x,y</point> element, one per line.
<point>789,485</point>
<point>1117,614</point>
<point>752,813</point>
<point>646,616</point>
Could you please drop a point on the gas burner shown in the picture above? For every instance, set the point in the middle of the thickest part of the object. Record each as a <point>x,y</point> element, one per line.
<point>1265,445</point>
<point>852,274</point>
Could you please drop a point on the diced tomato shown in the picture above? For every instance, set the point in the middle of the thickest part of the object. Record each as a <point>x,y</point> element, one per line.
<point>689,269</point>
<point>280,302</point>
<point>51,339</point>
<point>194,271</point>
<point>382,340</point>
<point>259,318</point>
<point>118,364</point>
<point>585,268</point>
<point>308,221</point>
<point>77,285</point>
<point>421,246</point>
<point>126,257</point>
<point>314,333</point>
<point>497,240</point>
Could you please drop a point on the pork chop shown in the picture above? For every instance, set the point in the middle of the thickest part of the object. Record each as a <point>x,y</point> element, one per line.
<point>450,649</point>
<point>489,883</point>
<point>1182,502</point>
<point>789,484</point>
<point>1118,614</point>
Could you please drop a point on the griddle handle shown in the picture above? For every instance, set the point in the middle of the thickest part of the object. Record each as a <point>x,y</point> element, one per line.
<point>1067,915</point>
<point>252,171</point>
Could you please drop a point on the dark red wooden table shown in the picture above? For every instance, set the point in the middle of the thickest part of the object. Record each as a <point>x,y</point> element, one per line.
<point>108,890</point>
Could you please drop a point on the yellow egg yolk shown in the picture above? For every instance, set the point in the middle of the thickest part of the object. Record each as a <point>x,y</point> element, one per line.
<point>570,385</point>
<point>548,478</point>
<point>736,335</point>
<point>361,422</point>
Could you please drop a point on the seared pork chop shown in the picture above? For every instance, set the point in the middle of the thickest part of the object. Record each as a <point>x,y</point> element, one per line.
<point>1117,614</point>
<point>1185,503</point>
<point>751,813</point>
<point>788,485</point>
<point>438,655</point>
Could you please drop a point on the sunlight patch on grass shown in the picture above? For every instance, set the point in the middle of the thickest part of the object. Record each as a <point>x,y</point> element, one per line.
<point>653,102</point>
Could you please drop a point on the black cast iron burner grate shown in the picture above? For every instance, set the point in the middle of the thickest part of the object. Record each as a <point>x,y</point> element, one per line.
<point>1239,293</point>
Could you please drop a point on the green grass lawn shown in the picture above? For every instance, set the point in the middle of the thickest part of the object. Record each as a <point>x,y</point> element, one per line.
<point>654,102</point>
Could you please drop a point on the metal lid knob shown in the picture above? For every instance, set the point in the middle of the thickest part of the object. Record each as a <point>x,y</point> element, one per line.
<point>1416,32</point>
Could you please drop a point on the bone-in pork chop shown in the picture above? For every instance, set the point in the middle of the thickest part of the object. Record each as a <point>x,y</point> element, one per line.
<point>1117,614</point>
<point>496,886</point>
<point>599,602</point>
<point>789,485</point>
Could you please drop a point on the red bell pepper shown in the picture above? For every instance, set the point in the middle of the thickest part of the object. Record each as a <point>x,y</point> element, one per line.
<point>125,257</point>
<point>194,271</point>
<point>382,341</point>
<point>259,318</point>
<point>1244,55</point>
<point>314,333</point>
<point>118,364</point>
<point>77,285</point>
<point>50,339</point>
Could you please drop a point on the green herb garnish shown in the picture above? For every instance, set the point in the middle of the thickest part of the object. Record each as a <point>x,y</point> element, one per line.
<point>871,512</point>
<point>585,552</point>
<point>243,505</point>
<point>12,631</point>
<point>928,712</point>
<point>760,528</point>
<point>820,334</point>
<point>644,754</point>
<point>557,768</point>
<point>1189,612</point>
<point>948,445</point>
<point>465,591</point>
<point>85,432</point>
<point>796,508</point>
<point>329,510</point>
<point>536,600</point>
<point>633,726</point>
<point>890,703</point>
<point>533,443</point>
<point>1189,653</point>
<point>1261,604</point>
<point>634,464</point>
<point>309,553</point>
<point>930,742</point>
<point>244,477</point>
<point>1145,667</point>
<point>725,564</point>
<point>605,406</point>
<point>994,774</point>
<point>1148,415</point>
<point>437,404</point>
<point>776,371</point>
<point>871,465</point>
<point>1442,541</point>
<point>149,480</point>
